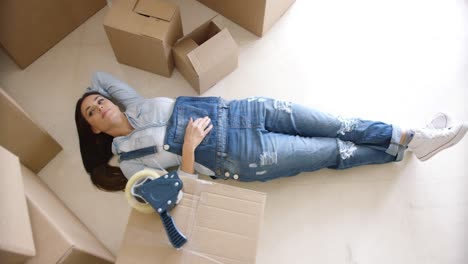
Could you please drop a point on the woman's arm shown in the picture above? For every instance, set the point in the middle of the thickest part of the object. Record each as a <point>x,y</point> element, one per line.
<point>130,167</point>
<point>194,134</point>
<point>117,90</point>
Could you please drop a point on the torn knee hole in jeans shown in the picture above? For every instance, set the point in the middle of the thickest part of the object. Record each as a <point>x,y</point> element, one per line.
<point>268,158</point>
<point>283,106</point>
<point>347,125</point>
<point>346,149</point>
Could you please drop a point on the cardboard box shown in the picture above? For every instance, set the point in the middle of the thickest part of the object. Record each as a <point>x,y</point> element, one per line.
<point>221,223</point>
<point>206,55</point>
<point>257,16</point>
<point>16,238</point>
<point>142,33</point>
<point>23,137</point>
<point>58,234</point>
<point>29,28</point>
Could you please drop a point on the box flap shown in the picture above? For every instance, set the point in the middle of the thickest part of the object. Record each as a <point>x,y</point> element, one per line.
<point>51,218</point>
<point>211,53</point>
<point>50,244</point>
<point>119,17</point>
<point>15,228</point>
<point>156,19</point>
<point>218,72</point>
<point>39,149</point>
<point>155,8</point>
<point>154,28</point>
<point>181,49</point>
<point>201,33</point>
<point>221,222</point>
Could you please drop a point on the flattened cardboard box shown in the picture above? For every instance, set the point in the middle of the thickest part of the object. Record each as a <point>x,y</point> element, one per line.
<point>16,238</point>
<point>142,33</point>
<point>221,222</point>
<point>257,16</point>
<point>23,137</point>
<point>59,236</point>
<point>29,28</point>
<point>206,55</point>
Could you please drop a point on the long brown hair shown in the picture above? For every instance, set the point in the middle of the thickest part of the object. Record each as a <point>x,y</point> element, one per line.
<point>96,151</point>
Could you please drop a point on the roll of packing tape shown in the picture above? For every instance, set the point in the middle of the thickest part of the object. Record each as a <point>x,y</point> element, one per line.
<point>139,177</point>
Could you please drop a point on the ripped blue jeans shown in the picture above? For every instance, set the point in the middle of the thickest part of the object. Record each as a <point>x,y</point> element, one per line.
<point>259,139</point>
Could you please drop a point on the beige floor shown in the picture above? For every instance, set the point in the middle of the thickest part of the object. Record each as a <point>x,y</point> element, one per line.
<point>398,62</point>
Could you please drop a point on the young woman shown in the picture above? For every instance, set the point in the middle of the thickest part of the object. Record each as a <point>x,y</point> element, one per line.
<point>256,139</point>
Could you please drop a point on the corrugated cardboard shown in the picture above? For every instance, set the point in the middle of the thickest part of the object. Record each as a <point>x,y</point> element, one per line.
<point>221,222</point>
<point>58,234</point>
<point>23,137</point>
<point>16,238</point>
<point>29,28</point>
<point>206,55</point>
<point>257,16</point>
<point>142,33</point>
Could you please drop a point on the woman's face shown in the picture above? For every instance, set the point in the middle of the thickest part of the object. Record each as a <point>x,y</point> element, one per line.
<point>100,113</point>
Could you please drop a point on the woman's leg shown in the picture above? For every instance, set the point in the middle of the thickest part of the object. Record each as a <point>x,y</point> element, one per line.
<point>294,119</point>
<point>282,155</point>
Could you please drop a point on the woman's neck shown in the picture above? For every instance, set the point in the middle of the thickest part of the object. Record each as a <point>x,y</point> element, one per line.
<point>124,127</point>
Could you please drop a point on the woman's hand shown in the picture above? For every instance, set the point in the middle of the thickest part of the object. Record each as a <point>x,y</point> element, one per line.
<point>196,132</point>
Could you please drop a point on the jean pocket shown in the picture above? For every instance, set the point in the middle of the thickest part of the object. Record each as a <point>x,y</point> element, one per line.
<point>184,113</point>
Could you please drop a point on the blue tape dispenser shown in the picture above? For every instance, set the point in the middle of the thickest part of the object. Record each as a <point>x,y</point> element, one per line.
<point>148,192</point>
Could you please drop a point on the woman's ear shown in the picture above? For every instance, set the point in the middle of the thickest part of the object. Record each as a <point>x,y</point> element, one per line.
<point>95,131</point>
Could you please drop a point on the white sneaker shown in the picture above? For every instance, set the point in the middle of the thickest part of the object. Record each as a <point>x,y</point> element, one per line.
<point>440,120</point>
<point>428,142</point>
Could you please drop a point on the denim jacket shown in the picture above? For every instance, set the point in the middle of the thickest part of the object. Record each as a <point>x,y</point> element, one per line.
<point>149,117</point>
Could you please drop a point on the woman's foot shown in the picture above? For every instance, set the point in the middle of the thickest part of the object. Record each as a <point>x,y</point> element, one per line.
<point>427,142</point>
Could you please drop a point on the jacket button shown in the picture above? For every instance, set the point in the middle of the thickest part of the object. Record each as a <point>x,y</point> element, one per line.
<point>227,174</point>
<point>166,147</point>
<point>236,177</point>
